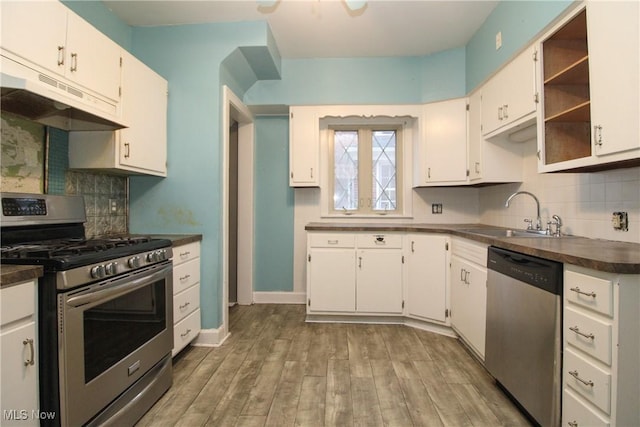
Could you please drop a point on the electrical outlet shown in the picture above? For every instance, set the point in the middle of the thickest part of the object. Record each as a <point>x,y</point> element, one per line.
<point>620,221</point>
<point>436,208</point>
<point>498,40</point>
<point>113,206</point>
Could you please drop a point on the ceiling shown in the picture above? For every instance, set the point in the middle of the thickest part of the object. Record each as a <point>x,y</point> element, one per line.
<point>328,28</point>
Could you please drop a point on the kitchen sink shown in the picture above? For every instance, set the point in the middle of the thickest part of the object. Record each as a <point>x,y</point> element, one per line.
<point>504,232</point>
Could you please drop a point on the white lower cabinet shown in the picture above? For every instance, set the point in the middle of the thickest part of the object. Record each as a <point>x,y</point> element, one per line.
<point>427,276</point>
<point>351,273</point>
<point>601,348</point>
<point>186,295</point>
<point>469,293</point>
<point>19,357</point>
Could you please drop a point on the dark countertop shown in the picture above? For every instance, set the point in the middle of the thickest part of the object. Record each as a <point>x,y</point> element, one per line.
<point>14,274</point>
<point>176,239</point>
<point>603,255</point>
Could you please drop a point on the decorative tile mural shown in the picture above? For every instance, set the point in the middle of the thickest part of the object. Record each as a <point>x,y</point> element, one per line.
<point>24,150</point>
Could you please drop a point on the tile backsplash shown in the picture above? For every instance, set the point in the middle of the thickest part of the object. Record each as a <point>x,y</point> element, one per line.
<point>105,199</point>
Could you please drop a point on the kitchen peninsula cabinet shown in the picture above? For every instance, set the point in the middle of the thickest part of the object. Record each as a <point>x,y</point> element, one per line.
<point>510,97</point>
<point>590,89</point>
<point>65,45</point>
<point>427,276</point>
<point>19,348</point>
<point>354,273</point>
<point>186,295</point>
<point>601,348</point>
<point>469,293</point>
<point>304,147</point>
<point>441,152</point>
<point>142,147</point>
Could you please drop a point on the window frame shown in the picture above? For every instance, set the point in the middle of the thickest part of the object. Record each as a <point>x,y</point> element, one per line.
<point>365,167</point>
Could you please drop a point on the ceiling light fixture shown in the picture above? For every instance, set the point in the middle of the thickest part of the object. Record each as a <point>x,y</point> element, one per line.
<point>356,6</point>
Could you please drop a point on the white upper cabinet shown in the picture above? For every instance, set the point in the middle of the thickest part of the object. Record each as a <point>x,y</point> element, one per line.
<point>304,147</point>
<point>510,97</point>
<point>614,70</point>
<point>441,153</point>
<point>54,39</point>
<point>590,66</point>
<point>140,148</point>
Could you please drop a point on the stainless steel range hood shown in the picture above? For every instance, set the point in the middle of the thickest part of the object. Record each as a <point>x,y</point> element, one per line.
<point>51,101</point>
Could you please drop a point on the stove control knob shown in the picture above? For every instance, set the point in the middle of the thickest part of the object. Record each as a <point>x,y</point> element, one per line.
<point>134,262</point>
<point>152,257</point>
<point>111,268</point>
<point>98,272</point>
<point>162,254</point>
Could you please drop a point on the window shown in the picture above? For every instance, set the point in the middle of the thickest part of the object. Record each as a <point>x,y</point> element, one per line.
<point>366,169</point>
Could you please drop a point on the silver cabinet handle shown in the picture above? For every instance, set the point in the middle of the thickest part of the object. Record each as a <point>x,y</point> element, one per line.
<point>466,277</point>
<point>505,111</point>
<point>127,152</point>
<point>577,331</point>
<point>74,62</point>
<point>185,305</point>
<point>60,55</point>
<point>412,244</point>
<point>462,271</point>
<point>187,332</point>
<point>359,262</point>
<point>311,173</point>
<point>185,277</point>
<point>500,115</point>
<point>31,360</point>
<point>477,167</point>
<point>575,375</point>
<point>428,173</point>
<point>332,242</point>
<point>379,240</point>
<point>578,291</point>
<point>184,254</point>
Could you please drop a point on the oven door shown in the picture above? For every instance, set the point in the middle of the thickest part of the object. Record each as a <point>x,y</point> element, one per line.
<point>110,334</point>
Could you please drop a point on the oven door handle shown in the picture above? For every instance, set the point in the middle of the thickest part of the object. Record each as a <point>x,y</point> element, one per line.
<point>116,290</point>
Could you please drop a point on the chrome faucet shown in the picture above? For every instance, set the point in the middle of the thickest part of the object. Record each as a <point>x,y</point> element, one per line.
<point>557,221</point>
<point>538,220</point>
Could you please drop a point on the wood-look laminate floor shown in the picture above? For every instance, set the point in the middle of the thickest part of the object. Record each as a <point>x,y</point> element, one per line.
<point>277,370</point>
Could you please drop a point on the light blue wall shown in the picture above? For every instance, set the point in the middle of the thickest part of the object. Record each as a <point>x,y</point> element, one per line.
<point>519,21</point>
<point>274,202</point>
<point>189,199</point>
<point>397,80</point>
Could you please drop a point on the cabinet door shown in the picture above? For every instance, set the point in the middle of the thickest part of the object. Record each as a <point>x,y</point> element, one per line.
<point>46,47</point>
<point>331,280</point>
<point>379,281</point>
<point>474,136</point>
<point>492,101</point>
<point>19,380</point>
<point>143,146</point>
<point>519,83</point>
<point>613,74</point>
<point>304,147</point>
<point>445,142</point>
<point>427,276</point>
<point>469,302</point>
<point>93,60</point>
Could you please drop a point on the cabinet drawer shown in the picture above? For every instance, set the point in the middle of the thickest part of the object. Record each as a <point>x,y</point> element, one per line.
<point>469,250</point>
<point>594,293</point>
<point>335,240</point>
<point>17,302</point>
<point>379,240</point>
<point>186,302</point>
<point>186,275</point>
<point>588,380</point>
<point>596,343</point>
<point>186,253</point>
<point>185,331</point>
<point>577,414</point>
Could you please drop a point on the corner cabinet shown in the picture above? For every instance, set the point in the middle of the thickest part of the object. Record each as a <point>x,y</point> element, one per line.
<point>142,147</point>
<point>427,276</point>
<point>590,89</point>
<point>441,152</point>
<point>601,348</point>
<point>304,146</point>
<point>63,44</point>
<point>19,348</point>
<point>469,293</point>
<point>186,295</point>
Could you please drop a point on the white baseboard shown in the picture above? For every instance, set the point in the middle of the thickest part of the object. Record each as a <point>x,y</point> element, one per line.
<point>211,337</point>
<point>279,297</point>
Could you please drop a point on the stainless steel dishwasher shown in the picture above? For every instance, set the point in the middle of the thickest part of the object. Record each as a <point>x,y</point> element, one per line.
<point>524,324</point>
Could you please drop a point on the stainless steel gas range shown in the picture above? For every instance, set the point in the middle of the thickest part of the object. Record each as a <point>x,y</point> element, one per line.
<point>105,311</point>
